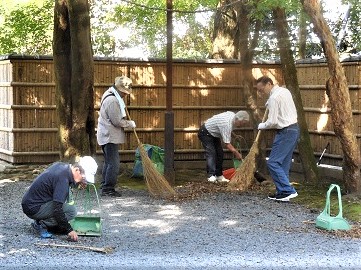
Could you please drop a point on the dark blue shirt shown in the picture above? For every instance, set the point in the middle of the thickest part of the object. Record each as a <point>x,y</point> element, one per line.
<point>51,185</point>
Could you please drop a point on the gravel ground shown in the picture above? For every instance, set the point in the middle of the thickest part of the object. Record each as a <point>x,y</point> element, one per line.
<point>214,231</point>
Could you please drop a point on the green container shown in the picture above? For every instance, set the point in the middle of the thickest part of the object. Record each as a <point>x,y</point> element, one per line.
<point>326,221</point>
<point>88,223</point>
<point>236,163</point>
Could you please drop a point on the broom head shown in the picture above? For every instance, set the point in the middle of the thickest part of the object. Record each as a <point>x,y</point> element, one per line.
<point>243,177</point>
<point>157,185</point>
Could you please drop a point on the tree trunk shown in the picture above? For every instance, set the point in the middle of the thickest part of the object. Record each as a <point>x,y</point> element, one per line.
<point>341,111</point>
<point>73,64</point>
<point>246,51</point>
<point>290,74</point>
<point>232,40</point>
<point>225,27</point>
<point>302,36</point>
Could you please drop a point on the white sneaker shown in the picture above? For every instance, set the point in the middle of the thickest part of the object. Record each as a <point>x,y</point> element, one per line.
<point>212,179</point>
<point>222,179</point>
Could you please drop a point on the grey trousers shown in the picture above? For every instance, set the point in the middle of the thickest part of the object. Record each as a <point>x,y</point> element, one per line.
<point>45,215</point>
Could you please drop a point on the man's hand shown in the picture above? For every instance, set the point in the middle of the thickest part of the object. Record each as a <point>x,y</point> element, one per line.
<point>238,155</point>
<point>73,236</point>
<point>131,124</point>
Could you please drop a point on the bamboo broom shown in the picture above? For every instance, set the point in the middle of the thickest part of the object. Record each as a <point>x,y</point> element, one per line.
<point>243,176</point>
<point>156,183</point>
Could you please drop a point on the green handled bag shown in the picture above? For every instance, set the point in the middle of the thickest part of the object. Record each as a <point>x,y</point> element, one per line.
<point>326,221</point>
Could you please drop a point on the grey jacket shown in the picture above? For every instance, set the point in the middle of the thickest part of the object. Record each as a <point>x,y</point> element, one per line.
<point>111,123</point>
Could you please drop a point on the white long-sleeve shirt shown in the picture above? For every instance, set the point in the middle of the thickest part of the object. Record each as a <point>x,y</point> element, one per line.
<point>281,109</point>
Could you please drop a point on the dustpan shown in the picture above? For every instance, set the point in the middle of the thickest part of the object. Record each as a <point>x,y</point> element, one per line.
<point>325,220</point>
<point>88,221</point>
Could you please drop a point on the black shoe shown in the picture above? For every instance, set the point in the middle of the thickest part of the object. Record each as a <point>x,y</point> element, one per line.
<point>259,177</point>
<point>283,197</point>
<point>111,193</point>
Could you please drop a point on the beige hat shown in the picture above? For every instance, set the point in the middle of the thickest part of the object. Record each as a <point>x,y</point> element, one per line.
<point>123,84</point>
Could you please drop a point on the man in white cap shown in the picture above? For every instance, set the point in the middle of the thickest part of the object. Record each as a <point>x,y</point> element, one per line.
<point>216,129</point>
<point>110,131</point>
<point>46,200</point>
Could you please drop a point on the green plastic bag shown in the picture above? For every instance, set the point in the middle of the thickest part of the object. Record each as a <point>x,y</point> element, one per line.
<point>156,155</point>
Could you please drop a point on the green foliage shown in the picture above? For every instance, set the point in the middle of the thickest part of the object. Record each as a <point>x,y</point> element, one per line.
<point>147,21</point>
<point>27,29</point>
<point>355,25</point>
<point>121,25</point>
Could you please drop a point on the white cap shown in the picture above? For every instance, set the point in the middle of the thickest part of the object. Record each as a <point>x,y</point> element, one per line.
<point>90,168</point>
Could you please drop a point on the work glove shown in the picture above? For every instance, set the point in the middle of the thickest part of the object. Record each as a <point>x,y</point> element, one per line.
<point>261,126</point>
<point>131,124</point>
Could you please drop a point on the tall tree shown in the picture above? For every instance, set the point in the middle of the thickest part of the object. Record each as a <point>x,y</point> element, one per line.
<point>341,111</point>
<point>290,75</point>
<point>302,36</point>
<point>73,62</point>
<point>224,31</point>
<point>236,35</point>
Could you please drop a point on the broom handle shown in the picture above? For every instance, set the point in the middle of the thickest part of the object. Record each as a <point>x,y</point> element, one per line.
<point>135,133</point>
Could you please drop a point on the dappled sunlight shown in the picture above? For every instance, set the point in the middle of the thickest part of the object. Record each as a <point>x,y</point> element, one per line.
<point>191,128</point>
<point>155,121</point>
<point>89,212</point>
<point>190,135</point>
<point>323,118</point>
<point>33,99</point>
<point>229,223</point>
<point>43,69</point>
<point>116,201</point>
<point>216,72</point>
<point>272,73</point>
<point>163,227</point>
<point>15,251</point>
<point>170,211</point>
<point>4,181</point>
<point>116,215</point>
<point>204,92</point>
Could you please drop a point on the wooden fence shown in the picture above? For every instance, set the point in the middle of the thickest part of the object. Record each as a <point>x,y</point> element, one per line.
<point>29,124</point>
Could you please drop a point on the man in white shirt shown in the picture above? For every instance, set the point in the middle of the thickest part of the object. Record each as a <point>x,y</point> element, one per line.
<point>282,116</point>
<point>216,129</point>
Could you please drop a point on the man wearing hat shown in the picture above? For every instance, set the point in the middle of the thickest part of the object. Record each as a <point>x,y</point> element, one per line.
<point>46,200</point>
<point>110,131</point>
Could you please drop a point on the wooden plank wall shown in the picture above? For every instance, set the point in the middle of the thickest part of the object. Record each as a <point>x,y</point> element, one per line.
<point>28,128</point>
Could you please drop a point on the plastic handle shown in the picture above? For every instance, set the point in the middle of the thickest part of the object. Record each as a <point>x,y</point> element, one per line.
<point>327,207</point>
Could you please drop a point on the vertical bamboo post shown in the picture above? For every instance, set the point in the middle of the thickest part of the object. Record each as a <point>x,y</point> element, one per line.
<point>169,114</point>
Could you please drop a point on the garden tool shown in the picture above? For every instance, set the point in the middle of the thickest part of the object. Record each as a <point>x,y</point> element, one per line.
<point>229,173</point>
<point>88,221</point>
<point>323,152</point>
